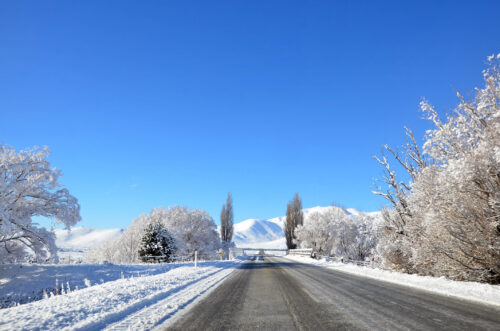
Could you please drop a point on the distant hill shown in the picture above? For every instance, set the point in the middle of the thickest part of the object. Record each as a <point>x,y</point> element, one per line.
<point>252,231</point>
<point>79,240</point>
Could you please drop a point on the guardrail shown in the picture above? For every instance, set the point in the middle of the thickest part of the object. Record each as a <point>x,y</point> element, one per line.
<point>243,251</point>
<point>360,263</point>
<point>346,260</point>
<point>263,249</point>
<point>301,251</point>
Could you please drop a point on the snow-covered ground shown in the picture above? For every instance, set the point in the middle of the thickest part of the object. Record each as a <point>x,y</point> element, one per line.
<point>120,297</point>
<point>22,283</point>
<point>484,293</point>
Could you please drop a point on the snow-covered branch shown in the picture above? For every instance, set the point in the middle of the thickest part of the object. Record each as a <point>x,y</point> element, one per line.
<point>28,188</point>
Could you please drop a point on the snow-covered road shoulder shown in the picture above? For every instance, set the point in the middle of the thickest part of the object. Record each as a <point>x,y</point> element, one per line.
<point>482,293</point>
<point>133,303</point>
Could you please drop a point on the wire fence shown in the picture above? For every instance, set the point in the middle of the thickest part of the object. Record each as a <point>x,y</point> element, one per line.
<point>169,258</point>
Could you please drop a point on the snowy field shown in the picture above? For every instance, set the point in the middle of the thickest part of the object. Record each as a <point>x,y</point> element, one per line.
<point>23,283</point>
<point>117,296</point>
<point>483,293</point>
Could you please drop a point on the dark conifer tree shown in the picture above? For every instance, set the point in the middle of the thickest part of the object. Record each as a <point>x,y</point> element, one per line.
<point>157,244</point>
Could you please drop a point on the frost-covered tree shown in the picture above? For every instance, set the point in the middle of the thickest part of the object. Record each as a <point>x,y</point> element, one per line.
<point>192,229</point>
<point>226,224</point>
<point>294,218</point>
<point>450,224</point>
<point>335,232</point>
<point>320,231</point>
<point>157,244</point>
<point>357,237</point>
<point>124,248</point>
<point>395,242</point>
<point>29,187</point>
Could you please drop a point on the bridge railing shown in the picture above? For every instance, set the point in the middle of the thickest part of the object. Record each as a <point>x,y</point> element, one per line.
<point>263,249</point>
<point>245,251</point>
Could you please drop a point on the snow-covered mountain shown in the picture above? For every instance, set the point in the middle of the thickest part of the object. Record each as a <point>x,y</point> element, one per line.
<point>252,232</point>
<point>83,237</point>
<point>78,240</point>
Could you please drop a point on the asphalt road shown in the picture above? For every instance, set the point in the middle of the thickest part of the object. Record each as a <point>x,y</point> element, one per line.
<point>274,293</point>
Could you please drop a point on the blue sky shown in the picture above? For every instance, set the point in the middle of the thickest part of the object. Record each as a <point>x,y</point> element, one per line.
<point>160,103</point>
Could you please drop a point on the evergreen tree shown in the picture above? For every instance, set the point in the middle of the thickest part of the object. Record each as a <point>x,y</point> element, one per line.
<point>157,244</point>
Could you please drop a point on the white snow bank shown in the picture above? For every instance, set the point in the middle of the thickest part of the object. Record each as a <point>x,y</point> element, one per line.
<point>483,293</point>
<point>131,303</point>
<point>23,283</point>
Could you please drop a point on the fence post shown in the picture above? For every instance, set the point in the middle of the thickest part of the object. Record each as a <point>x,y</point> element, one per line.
<point>196,259</point>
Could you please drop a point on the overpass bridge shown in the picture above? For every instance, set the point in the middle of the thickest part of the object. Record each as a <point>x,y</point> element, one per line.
<point>247,250</point>
<point>239,251</point>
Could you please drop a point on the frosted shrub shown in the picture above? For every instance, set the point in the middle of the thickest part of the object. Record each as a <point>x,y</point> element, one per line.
<point>335,232</point>
<point>446,220</point>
